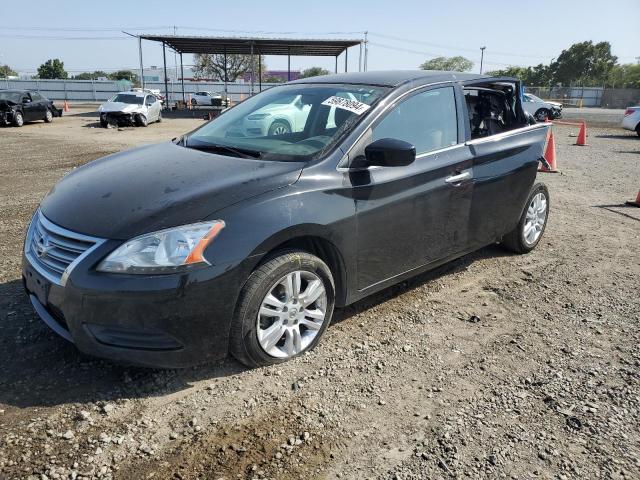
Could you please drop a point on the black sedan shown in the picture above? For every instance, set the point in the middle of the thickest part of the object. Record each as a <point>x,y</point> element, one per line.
<point>20,106</point>
<point>173,254</point>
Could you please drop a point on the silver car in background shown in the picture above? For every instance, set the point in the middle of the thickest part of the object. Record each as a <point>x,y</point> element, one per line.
<point>131,109</point>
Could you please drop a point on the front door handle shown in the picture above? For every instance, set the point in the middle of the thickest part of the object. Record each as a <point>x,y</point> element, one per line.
<point>459,178</point>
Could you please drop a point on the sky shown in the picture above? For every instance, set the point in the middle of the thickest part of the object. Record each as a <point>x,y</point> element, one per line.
<point>402,34</point>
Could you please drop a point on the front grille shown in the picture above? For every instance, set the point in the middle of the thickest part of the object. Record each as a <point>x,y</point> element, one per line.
<point>52,248</point>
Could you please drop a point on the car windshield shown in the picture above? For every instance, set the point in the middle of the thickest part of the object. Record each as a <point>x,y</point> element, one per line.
<point>535,99</point>
<point>128,98</point>
<point>11,96</point>
<point>290,122</point>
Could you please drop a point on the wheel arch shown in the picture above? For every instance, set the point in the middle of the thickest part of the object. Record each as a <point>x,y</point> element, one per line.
<point>317,245</point>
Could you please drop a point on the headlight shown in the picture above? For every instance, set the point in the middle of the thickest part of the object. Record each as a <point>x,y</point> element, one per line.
<point>164,251</point>
<point>258,116</point>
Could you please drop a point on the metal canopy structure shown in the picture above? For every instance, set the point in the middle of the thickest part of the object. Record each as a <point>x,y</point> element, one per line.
<point>249,46</point>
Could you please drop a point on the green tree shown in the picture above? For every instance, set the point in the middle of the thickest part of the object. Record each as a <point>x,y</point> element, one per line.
<point>7,71</point>
<point>533,76</point>
<point>624,76</point>
<point>52,68</point>
<point>453,64</point>
<point>90,76</point>
<point>123,75</point>
<point>212,66</point>
<point>584,63</point>
<point>313,72</point>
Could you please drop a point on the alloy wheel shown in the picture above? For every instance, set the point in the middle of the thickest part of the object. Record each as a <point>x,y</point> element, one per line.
<point>291,314</point>
<point>535,219</point>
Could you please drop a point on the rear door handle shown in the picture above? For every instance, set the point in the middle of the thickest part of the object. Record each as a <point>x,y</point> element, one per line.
<point>459,178</point>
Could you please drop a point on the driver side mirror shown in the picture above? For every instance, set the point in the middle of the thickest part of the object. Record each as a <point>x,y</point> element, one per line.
<point>26,100</point>
<point>390,152</point>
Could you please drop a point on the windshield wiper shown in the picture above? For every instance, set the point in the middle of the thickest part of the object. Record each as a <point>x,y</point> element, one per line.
<point>208,147</point>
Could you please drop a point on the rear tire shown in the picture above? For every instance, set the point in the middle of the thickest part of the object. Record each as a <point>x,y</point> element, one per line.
<point>638,129</point>
<point>48,117</point>
<point>267,288</point>
<point>532,224</point>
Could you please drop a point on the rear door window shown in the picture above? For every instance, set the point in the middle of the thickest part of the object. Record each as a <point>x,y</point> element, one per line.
<point>427,120</point>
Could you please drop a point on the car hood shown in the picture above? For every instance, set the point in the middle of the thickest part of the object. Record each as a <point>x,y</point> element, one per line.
<point>555,104</point>
<point>7,104</point>
<point>122,107</point>
<point>158,186</point>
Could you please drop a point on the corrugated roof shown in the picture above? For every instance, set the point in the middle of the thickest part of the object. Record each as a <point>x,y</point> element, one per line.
<point>263,46</point>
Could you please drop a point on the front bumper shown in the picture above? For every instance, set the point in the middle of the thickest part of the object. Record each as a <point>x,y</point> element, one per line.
<point>165,321</point>
<point>6,117</point>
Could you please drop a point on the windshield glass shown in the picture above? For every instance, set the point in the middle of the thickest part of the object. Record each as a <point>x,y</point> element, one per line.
<point>291,122</point>
<point>128,98</point>
<point>12,96</point>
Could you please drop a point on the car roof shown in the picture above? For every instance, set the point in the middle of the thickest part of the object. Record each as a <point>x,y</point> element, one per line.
<point>133,92</point>
<point>393,78</point>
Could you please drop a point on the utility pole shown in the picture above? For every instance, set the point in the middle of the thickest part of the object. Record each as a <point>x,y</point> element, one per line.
<point>481,58</point>
<point>366,51</point>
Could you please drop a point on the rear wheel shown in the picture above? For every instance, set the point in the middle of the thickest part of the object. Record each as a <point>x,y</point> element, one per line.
<point>18,119</point>
<point>284,308</point>
<point>532,224</point>
<point>48,117</point>
<point>638,129</point>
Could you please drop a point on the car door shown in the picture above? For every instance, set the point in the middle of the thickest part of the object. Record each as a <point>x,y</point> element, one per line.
<point>412,216</point>
<point>30,108</point>
<point>505,165</point>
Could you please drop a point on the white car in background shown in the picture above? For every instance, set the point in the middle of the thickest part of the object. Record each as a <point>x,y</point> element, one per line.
<point>289,115</point>
<point>209,99</point>
<point>131,108</point>
<point>631,120</point>
<point>541,109</point>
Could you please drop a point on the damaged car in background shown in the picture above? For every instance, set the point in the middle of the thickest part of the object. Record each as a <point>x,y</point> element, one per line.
<point>20,106</point>
<point>130,109</point>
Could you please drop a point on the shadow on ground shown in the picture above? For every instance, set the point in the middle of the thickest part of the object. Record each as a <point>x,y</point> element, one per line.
<point>40,369</point>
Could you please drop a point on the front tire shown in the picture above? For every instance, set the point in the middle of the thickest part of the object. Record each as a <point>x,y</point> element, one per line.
<point>638,129</point>
<point>284,308</point>
<point>48,117</point>
<point>18,119</point>
<point>542,115</point>
<point>142,121</point>
<point>279,127</point>
<point>533,222</point>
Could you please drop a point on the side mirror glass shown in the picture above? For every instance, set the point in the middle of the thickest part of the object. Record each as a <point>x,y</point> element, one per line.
<point>390,152</point>
<point>26,100</point>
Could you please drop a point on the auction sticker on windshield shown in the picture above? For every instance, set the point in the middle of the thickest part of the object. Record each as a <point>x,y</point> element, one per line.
<point>353,106</point>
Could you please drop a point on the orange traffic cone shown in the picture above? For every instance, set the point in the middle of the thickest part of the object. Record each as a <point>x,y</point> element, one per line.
<point>65,107</point>
<point>582,136</point>
<point>636,203</point>
<point>550,155</point>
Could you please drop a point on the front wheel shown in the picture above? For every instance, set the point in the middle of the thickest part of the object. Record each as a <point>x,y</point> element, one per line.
<point>279,127</point>
<point>142,121</point>
<point>48,117</point>
<point>284,308</point>
<point>638,129</point>
<point>18,119</point>
<point>542,114</point>
<point>532,224</point>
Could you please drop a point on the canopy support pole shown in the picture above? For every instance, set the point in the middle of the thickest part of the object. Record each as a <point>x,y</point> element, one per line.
<point>288,64</point>
<point>259,72</point>
<point>336,69</point>
<point>226,78</point>
<point>253,69</point>
<point>184,99</point>
<point>141,65</point>
<point>346,57</point>
<point>166,83</point>
<point>360,59</point>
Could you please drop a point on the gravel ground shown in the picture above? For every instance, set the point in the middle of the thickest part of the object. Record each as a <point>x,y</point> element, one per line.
<point>494,366</point>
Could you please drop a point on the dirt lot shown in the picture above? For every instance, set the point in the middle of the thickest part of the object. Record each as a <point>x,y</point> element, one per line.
<point>495,366</point>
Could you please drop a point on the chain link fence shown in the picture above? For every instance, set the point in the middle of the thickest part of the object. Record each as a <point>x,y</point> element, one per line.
<point>589,96</point>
